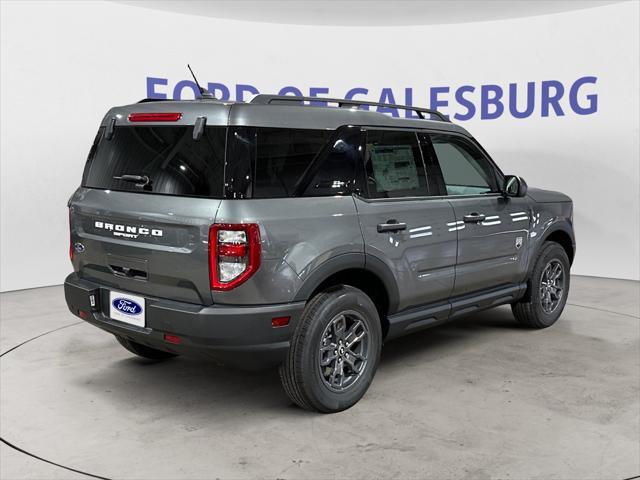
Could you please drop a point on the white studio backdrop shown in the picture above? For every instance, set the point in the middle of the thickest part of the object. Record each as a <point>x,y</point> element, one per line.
<point>65,63</point>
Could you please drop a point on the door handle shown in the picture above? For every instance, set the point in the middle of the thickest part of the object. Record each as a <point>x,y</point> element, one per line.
<point>391,226</point>
<point>474,218</point>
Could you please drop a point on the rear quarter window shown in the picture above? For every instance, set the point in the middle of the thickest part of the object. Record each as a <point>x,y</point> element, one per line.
<point>284,162</point>
<point>283,155</point>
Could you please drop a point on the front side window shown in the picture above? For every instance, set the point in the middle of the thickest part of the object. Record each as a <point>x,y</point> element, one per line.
<point>167,157</point>
<point>394,166</point>
<point>464,168</point>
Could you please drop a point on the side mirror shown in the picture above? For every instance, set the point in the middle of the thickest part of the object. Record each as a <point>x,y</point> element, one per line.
<point>514,186</point>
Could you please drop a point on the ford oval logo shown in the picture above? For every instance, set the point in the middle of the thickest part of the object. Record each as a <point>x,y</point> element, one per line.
<point>126,306</point>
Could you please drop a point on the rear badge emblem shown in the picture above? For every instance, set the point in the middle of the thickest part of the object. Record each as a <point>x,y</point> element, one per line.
<point>518,243</point>
<point>126,306</point>
<point>127,231</point>
<point>78,247</point>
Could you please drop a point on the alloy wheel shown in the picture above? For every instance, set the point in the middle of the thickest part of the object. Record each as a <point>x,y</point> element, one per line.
<point>551,286</point>
<point>344,349</point>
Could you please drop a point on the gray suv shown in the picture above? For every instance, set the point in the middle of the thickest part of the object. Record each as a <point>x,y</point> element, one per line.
<point>303,233</point>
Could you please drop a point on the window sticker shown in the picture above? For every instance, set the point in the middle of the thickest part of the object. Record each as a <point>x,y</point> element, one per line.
<point>394,167</point>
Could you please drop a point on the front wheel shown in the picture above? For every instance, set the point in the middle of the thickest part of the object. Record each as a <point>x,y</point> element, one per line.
<point>547,290</point>
<point>334,352</point>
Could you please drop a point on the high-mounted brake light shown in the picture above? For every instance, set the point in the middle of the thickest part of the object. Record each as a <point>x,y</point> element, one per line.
<point>234,254</point>
<point>155,117</point>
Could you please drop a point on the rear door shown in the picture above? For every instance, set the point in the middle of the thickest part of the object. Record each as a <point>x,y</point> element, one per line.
<point>402,225</point>
<point>492,230</point>
<point>148,233</point>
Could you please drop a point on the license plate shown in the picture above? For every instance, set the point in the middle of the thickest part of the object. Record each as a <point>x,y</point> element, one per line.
<point>127,308</point>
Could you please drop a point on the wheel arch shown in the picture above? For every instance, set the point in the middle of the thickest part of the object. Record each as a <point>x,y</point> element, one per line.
<point>559,232</point>
<point>562,236</point>
<point>361,271</point>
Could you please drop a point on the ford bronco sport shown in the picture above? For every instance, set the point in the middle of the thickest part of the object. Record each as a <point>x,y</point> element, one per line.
<point>304,235</point>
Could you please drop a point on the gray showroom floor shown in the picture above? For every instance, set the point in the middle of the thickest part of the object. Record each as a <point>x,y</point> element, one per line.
<point>478,398</point>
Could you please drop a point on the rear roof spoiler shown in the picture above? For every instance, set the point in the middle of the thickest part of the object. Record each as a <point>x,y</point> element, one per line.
<point>147,100</point>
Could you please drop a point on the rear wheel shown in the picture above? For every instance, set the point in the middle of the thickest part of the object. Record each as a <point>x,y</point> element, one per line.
<point>547,290</point>
<point>143,350</point>
<point>334,352</point>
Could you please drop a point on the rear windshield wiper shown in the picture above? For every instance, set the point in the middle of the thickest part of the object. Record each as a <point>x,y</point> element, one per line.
<point>141,181</point>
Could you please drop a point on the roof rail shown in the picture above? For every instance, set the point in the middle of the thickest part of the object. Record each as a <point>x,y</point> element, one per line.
<point>264,99</point>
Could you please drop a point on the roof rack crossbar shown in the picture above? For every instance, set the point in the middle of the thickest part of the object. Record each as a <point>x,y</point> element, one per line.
<point>264,99</point>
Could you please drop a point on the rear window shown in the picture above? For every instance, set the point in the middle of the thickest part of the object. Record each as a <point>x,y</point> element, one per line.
<point>168,156</point>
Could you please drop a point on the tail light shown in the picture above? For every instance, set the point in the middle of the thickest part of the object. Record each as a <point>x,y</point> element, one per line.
<point>234,254</point>
<point>70,239</point>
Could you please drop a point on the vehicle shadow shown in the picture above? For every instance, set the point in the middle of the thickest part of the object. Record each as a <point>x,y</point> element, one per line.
<point>447,338</point>
<point>200,387</point>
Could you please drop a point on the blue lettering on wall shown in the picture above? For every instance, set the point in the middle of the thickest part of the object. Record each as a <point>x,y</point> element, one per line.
<point>151,87</point>
<point>548,98</point>
<point>290,91</point>
<point>468,104</point>
<point>491,107</point>
<point>434,102</point>
<point>223,90</point>
<point>408,101</point>
<point>386,96</point>
<point>351,94</point>
<point>517,100</point>
<point>315,91</point>
<point>513,100</point>
<point>181,85</point>
<point>242,89</point>
<point>592,98</point>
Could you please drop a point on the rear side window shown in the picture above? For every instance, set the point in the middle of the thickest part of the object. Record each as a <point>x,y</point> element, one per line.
<point>337,170</point>
<point>283,155</point>
<point>464,168</point>
<point>394,166</point>
<point>281,162</point>
<point>241,152</point>
<point>174,163</point>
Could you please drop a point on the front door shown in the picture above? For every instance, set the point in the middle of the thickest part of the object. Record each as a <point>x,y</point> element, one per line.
<point>492,238</point>
<point>402,225</point>
<point>493,231</point>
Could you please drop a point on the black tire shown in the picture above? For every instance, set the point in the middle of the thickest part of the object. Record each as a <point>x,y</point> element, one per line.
<point>143,350</point>
<point>304,379</point>
<point>529,311</point>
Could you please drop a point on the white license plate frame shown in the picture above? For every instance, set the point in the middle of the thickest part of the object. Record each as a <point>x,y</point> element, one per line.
<point>127,308</point>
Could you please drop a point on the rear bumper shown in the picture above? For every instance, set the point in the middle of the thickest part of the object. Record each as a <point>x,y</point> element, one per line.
<point>240,336</point>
